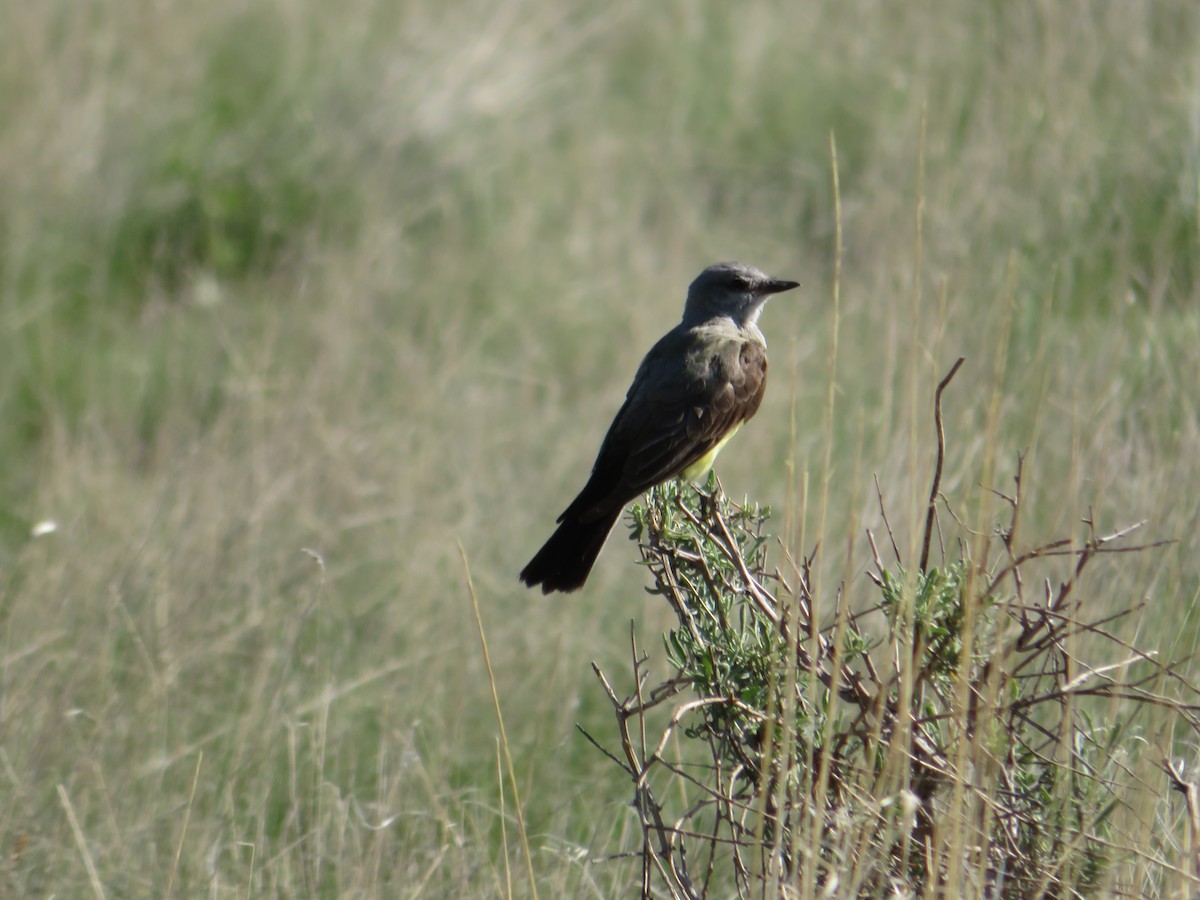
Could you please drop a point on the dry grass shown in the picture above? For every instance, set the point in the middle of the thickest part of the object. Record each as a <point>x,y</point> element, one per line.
<point>293,298</point>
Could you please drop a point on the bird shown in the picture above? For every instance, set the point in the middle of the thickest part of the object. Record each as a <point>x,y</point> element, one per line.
<point>692,392</point>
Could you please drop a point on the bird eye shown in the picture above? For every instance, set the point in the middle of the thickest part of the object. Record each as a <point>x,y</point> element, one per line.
<point>738,283</point>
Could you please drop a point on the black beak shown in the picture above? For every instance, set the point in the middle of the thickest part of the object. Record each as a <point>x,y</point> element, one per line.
<point>776,286</point>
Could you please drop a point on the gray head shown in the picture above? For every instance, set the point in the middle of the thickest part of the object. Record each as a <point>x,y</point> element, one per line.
<point>732,290</point>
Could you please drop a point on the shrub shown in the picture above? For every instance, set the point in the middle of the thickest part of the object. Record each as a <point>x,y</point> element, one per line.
<point>947,730</point>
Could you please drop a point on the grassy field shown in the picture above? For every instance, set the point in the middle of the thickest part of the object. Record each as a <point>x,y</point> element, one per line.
<point>295,300</point>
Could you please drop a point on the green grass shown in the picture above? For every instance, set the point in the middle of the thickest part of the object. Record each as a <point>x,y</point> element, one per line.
<point>370,281</point>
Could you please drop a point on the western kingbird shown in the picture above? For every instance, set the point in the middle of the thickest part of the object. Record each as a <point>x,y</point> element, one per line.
<point>694,389</point>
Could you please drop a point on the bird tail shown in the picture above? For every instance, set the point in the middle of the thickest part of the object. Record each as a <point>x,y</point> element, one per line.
<point>564,562</point>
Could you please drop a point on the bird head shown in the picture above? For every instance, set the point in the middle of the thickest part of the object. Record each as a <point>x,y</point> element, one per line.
<point>733,290</point>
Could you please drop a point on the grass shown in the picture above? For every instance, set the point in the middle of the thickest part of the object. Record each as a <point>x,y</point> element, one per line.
<point>295,299</point>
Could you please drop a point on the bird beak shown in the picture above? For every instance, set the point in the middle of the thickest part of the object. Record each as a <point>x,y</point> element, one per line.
<point>775,286</point>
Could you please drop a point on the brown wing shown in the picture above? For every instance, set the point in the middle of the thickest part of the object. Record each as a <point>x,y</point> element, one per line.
<point>690,391</point>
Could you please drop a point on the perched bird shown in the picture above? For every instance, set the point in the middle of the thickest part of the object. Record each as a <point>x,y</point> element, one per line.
<point>692,392</point>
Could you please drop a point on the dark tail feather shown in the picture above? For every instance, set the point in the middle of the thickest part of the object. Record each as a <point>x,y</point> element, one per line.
<point>566,559</point>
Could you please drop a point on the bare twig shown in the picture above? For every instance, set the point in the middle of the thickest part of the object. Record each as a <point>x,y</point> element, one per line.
<point>931,511</point>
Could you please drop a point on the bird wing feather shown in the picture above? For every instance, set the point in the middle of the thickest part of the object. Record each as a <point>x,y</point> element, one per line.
<point>673,415</point>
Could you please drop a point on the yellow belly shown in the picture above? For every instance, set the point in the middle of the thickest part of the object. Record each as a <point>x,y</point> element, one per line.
<point>697,470</point>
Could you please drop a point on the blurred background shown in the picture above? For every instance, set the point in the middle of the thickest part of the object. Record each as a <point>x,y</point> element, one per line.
<point>297,297</point>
